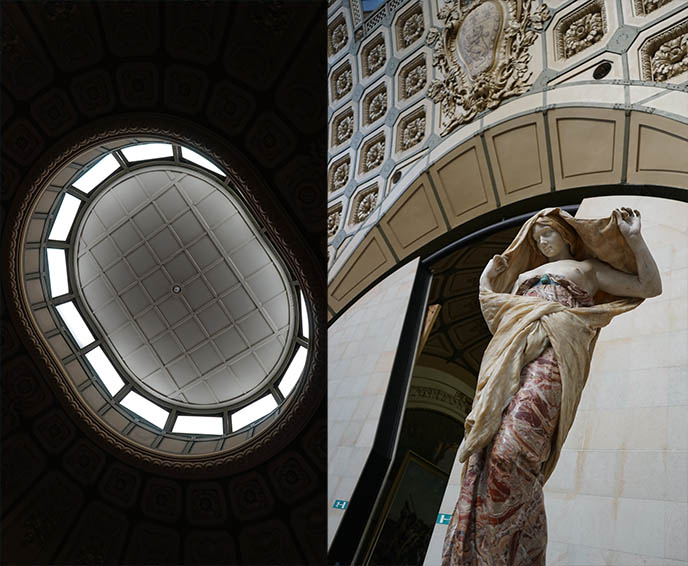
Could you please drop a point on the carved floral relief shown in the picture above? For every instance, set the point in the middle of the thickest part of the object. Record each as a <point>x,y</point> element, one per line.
<point>342,82</point>
<point>670,59</point>
<point>580,29</point>
<point>334,219</point>
<point>412,132</point>
<point>373,154</point>
<point>375,105</point>
<point>665,55</point>
<point>583,33</point>
<point>373,56</point>
<point>481,55</point>
<point>410,27</point>
<point>338,36</point>
<point>648,6</point>
<point>343,128</point>
<point>412,78</point>
<point>339,174</point>
<point>364,203</point>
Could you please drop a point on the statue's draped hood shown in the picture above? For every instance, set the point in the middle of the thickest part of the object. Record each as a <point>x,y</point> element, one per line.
<point>523,326</point>
<point>599,238</point>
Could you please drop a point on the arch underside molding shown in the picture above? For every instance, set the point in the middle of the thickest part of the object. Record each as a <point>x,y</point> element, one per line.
<point>528,161</point>
<point>256,195</point>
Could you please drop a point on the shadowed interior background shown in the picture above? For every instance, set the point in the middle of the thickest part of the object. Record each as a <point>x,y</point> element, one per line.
<point>251,74</point>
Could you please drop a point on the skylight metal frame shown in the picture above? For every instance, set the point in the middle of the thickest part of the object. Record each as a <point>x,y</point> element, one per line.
<point>80,353</point>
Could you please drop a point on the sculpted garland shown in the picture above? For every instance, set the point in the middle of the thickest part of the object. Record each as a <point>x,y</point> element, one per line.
<point>482,55</point>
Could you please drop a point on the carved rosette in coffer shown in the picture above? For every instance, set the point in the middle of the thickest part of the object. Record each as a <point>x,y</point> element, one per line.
<point>334,219</point>
<point>665,55</point>
<point>481,55</point>
<point>580,29</point>
<point>644,7</point>
<point>341,81</point>
<point>339,173</point>
<point>375,105</point>
<point>363,204</point>
<point>411,130</point>
<point>337,36</point>
<point>412,78</point>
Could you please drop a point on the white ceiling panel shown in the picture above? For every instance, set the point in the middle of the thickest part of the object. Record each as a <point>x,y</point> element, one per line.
<point>204,305</point>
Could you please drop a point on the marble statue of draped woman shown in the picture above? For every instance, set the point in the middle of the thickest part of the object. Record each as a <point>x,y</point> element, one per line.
<point>544,300</point>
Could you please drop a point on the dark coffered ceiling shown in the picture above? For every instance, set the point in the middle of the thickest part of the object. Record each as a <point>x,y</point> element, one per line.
<point>253,75</point>
<point>459,336</point>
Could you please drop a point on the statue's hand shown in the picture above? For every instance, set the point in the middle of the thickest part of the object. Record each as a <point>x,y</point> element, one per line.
<point>628,221</point>
<point>496,266</point>
<point>493,268</point>
<point>500,264</point>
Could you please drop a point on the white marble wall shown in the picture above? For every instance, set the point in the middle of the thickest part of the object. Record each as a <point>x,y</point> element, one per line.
<point>361,347</point>
<point>619,494</point>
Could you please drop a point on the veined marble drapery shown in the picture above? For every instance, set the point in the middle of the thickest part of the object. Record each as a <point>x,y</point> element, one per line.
<point>522,327</point>
<point>540,344</point>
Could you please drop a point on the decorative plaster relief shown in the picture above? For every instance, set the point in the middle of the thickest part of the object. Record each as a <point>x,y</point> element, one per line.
<point>343,127</point>
<point>337,36</point>
<point>373,153</point>
<point>433,395</point>
<point>665,55</point>
<point>580,29</point>
<point>334,219</point>
<point>373,56</point>
<point>410,27</point>
<point>481,55</point>
<point>412,78</point>
<point>375,105</point>
<point>339,173</point>
<point>671,58</point>
<point>341,82</point>
<point>411,130</point>
<point>644,7</point>
<point>363,204</point>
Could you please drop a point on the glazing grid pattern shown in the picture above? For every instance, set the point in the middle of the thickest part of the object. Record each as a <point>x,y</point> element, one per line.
<point>211,272</point>
<point>226,332</point>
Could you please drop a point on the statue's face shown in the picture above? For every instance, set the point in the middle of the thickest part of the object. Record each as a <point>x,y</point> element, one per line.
<point>549,241</point>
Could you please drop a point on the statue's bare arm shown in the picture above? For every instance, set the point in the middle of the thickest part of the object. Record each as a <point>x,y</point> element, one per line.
<point>648,282</point>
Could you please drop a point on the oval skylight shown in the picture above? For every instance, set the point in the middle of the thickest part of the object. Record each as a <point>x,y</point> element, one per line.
<point>178,311</point>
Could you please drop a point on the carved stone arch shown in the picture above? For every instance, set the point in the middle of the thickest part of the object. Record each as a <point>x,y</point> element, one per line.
<point>525,163</point>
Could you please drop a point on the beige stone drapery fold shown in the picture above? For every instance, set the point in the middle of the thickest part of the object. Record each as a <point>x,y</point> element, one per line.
<point>523,326</point>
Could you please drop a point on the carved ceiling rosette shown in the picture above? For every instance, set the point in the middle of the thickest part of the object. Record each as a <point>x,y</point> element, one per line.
<point>481,55</point>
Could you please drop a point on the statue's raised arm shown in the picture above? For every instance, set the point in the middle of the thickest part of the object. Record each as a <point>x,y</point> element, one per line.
<point>545,299</point>
<point>646,283</point>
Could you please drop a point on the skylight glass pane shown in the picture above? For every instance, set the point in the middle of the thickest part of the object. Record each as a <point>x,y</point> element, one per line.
<point>57,272</point>
<point>144,151</point>
<point>198,425</point>
<point>75,324</point>
<point>200,160</point>
<point>253,412</point>
<point>96,174</point>
<point>294,371</point>
<point>65,218</point>
<point>145,409</point>
<point>105,370</point>
<point>305,328</point>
